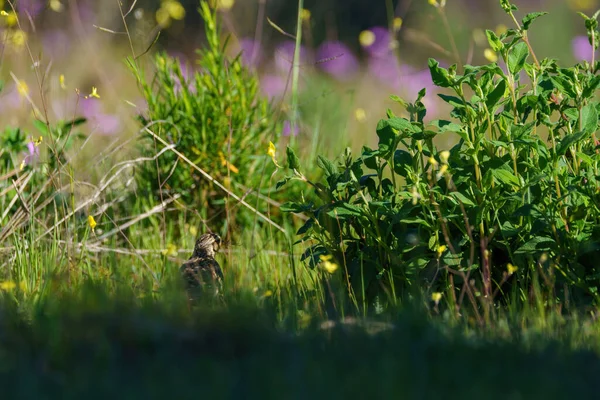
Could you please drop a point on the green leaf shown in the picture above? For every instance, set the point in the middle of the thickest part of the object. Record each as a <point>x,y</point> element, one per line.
<point>293,207</point>
<point>446,126</point>
<point>589,118</point>
<point>496,94</point>
<point>327,166</point>
<point>529,18</point>
<point>439,75</point>
<point>505,176</point>
<point>345,211</point>
<point>282,182</point>
<point>569,140</point>
<point>387,137</point>
<point>292,159</point>
<point>536,245</point>
<point>516,57</point>
<point>462,198</point>
<point>402,162</point>
<point>495,43</point>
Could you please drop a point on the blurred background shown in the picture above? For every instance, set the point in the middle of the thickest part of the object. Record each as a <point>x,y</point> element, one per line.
<point>355,54</point>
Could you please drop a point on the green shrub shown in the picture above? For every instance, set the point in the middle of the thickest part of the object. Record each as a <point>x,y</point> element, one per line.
<point>215,117</point>
<point>506,205</point>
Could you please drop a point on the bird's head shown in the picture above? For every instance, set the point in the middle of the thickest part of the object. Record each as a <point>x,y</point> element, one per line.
<point>207,245</point>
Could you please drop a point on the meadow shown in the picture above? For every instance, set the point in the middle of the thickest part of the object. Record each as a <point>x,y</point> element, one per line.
<point>413,212</point>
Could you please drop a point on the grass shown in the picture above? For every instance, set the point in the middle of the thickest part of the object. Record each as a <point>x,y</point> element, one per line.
<point>101,312</point>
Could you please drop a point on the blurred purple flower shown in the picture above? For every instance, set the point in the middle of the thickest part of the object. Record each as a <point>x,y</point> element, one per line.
<point>56,43</point>
<point>381,45</point>
<point>100,122</point>
<point>284,56</point>
<point>31,7</point>
<point>582,49</point>
<point>386,69</point>
<point>336,59</point>
<point>272,85</point>
<point>33,153</point>
<point>251,52</point>
<point>287,129</point>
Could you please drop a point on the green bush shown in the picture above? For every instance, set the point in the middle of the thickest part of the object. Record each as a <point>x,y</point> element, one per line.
<point>215,117</point>
<point>505,206</point>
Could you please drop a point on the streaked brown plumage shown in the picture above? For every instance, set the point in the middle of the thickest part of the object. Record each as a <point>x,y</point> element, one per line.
<point>202,273</point>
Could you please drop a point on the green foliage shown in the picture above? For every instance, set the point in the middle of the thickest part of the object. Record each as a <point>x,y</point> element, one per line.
<point>215,117</point>
<point>520,188</point>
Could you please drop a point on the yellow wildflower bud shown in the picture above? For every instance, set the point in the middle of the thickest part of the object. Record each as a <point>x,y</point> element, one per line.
<point>440,250</point>
<point>490,55</point>
<point>328,266</point>
<point>56,5</point>
<point>305,15</point>
<point>366,38</point>
<point>397,24</point>
<point>7,285</point>
<point>22,88</point>
<point>360,115</point>
<point>92,222</point>
<point>171,250</point>
<point>432,161</point>
<point>61,81</point>
<point>174,9</point>
<point>444,156</point>
<point>436,297</point>
<point>94,93</point>
<point>511,268</point>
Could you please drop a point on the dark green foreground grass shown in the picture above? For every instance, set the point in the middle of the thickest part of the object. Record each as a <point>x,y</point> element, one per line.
<point>98,347</point>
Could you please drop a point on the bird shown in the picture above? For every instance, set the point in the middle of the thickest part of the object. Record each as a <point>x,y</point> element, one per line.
<point>202,274</point>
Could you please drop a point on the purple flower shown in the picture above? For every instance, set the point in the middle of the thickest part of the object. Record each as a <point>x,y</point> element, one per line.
<point>381,45</point>
<point>336,59</point>
<point>33,153</point>
<point>386,69</point>
<point>31,7</point>
<point>56,43</point>
<point>101,122</point>
<point>273,85</point>
<point>287,129</point>
<point>284,56</point>
<point>251,52</point>
<point>582,49</point>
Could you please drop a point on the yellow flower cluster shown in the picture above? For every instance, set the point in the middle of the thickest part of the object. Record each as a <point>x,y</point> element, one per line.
<point>169,10</point>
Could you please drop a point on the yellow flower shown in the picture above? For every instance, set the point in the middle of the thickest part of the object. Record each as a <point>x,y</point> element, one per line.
<point>174,9</point>
<point>511,268</point>
<point>271,153</point>
<point>415,195</point>
<point>440,250</point>
<point>397,24</point>
<point>222,4</point>
<point>578,5</point>
<point>193,231</point>
<point>23,164</point>
<point>94,93</point>
<point>366,38</point>
<point>171,250</point>
<point>442,171</point>
<point>444,155</point>
<point>433,2</point>
<point>500,29</point>
<point>11,18</point>
<point>328,266</point>
<point>360,115</point>
<point>268,293</point>
<point>490,55</point>
<point>436,297</point>
<point>38,141</point>
<point>92,222</point>
<point>61,81</point>
<point>229,165</point>
<point>7,285</point>
<point>432,161</point>
<point>56,5</point>
<point>22,88</point>
<point>162,17</point>
<point>479,37</point>
<point>18,38</point>
<point>305,15</point>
